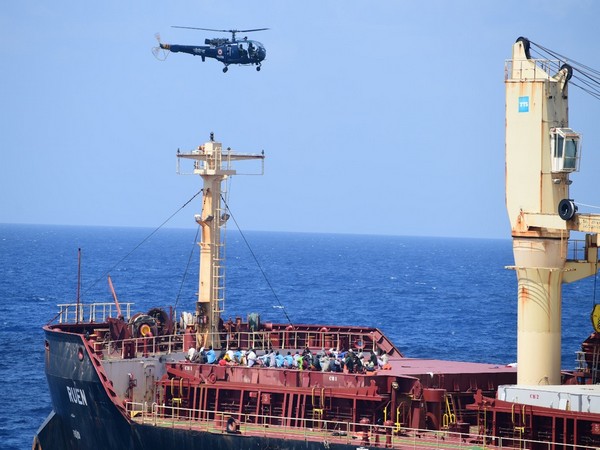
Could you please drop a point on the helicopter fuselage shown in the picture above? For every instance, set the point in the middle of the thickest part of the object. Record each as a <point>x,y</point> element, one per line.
<point>245,52</point>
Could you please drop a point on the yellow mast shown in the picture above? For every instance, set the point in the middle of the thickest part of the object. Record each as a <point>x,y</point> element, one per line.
<point>214,166</point>
<point>541,152</point>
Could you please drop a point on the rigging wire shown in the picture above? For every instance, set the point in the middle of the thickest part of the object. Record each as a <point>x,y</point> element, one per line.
<point>565,58</point>
<point>187,267</point>
<point>588,78</point>
<point>282,307</point>
<point>142,242</point>
<point>589,206</point>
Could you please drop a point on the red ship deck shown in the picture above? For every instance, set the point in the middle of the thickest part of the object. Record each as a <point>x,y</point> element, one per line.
<point>417,366</point>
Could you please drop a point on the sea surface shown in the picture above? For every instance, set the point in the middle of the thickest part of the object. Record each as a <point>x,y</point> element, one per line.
<point>434,297</point>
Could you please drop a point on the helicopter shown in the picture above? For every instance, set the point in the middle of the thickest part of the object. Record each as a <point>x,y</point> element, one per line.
<point>228,51</point>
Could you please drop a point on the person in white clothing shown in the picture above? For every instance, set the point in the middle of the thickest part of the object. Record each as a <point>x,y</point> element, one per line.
<point>251,357</point>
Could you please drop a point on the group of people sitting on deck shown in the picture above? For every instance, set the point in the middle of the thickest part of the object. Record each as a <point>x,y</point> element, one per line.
<point>325,361</point>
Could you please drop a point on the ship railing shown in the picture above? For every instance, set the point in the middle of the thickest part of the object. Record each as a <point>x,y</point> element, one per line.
<point>280,340</point>
<point>258,340</point>
<point>587,365</point>
<point>139,347</point>
<point>521,70</point>
<point>361,434</point>
<point>580,362</point>
<point>91,312</point>
<point>576,250</point>
<point>297,339</point>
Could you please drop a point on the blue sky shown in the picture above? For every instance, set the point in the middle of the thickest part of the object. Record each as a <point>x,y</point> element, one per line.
<point>376,117</point>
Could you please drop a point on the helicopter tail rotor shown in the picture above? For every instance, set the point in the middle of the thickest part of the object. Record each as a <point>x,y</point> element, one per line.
<point>160,52</point>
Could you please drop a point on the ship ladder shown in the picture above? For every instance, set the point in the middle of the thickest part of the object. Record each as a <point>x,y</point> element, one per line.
<point>176,401</point>
<point>449,417</point>
<point>386,420</point>
<point>385,411</point>
<point>482,423</point>
<point>219,254</point>
<point>318,407</point>
<point>219,280</point>
<point>218,263</point>
<point>400,417</point>
<point>218,287</point>
<point>519,421</point>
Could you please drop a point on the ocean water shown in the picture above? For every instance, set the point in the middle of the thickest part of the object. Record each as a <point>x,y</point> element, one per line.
<point>434,297</point>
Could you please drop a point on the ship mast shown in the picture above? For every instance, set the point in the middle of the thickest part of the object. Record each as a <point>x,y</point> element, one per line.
<point>214,166</point>
<point>541,153</point>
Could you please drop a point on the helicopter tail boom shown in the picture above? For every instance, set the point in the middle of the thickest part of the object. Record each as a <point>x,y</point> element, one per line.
<point>196,50</point>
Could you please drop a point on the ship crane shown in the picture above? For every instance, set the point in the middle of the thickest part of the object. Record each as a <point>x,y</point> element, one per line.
<point>542,151</point>
<point>214,166</point>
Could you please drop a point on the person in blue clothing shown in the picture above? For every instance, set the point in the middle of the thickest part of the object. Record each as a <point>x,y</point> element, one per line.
<point>211,356</point>
<point>238,356</point>
<point>288,360</point>
<point>279,359</point>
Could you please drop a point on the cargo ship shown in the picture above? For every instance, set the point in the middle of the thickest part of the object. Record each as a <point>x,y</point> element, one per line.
<point>165,380</point>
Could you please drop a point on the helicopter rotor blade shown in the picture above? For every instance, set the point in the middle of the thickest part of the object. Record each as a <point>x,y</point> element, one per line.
<point>159,52</point>
<point>204,29</point>
<point>248,31</point>
<point>220,31</point>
